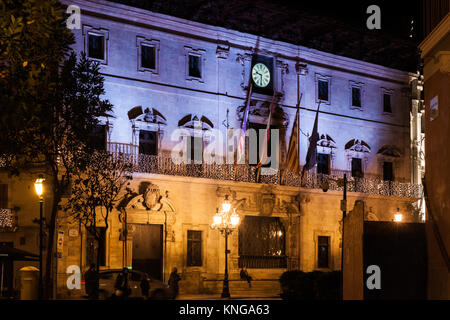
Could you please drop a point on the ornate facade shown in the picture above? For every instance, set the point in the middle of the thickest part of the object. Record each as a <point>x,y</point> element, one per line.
<point>164,73</point>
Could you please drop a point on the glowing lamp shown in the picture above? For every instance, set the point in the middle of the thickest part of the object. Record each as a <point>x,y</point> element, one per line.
<point>398,217</point>
<point>39,186</point>
<point>235,219</point>
<point>226,205</point>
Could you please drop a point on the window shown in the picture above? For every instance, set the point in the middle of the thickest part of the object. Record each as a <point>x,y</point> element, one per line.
<point>97,139</point>
<point>356,97</point>
<point>96,47</point>
<point>323,163</point>
<point>357,170</point>
<point>388,172</point>
<point>147,54</point>
<point>148,57</point>
<point>148,142</point>
<point>323,90</point>
<point>387,103</point>
<point>96,43</point>
<point>194,248</point>
<point>259,140</point>
<point>3,196</point>
<point>323,248</point>
<point>93,247</point>
<point>261,243</point>
<point>195,69</point>
<point>196,149</point>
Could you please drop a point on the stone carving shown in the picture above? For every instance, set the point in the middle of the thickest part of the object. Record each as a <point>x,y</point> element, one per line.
<point>266,201</point>
<point>223,52</point>
<point>242,58</point>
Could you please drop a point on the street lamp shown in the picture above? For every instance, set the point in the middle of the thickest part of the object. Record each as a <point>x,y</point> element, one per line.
<point>398,217</point>
<point>39,187</point>
<point>226,222</point>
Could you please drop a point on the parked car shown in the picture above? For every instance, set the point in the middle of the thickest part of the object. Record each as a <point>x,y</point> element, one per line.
<point>107,278</point>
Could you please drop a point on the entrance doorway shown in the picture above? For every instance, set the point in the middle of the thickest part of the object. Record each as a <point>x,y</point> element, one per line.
<point>148,249</point>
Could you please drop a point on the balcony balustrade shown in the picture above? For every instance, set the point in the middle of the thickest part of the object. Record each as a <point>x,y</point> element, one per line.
<point>164,165</point>
<point>7,220</point>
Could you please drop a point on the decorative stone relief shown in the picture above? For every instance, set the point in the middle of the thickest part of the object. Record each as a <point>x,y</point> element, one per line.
<point>222,52</point>
<point>284,70</point>
<point>242,58</point>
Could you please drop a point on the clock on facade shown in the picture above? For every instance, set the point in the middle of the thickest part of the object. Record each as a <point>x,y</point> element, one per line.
<point>261,75</point>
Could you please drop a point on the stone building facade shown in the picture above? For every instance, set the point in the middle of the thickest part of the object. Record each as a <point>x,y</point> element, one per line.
<point>163,74</point>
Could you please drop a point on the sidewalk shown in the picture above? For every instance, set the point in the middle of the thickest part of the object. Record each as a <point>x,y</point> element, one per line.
<point>236,296</point>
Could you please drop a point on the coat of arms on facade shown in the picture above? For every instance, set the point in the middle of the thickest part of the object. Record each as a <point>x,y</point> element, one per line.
<point>148,198</point>
<point>266,201</point>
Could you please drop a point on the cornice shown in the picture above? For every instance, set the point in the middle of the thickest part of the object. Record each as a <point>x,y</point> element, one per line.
<point>438,33</point>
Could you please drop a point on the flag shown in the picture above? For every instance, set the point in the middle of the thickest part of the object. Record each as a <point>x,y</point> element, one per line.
<point>265,144</point>
<point>292,156</point>
<point>241,147</point>
<point>311,155</point>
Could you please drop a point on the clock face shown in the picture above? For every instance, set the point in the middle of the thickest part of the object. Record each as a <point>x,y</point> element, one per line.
<point>261,75</point>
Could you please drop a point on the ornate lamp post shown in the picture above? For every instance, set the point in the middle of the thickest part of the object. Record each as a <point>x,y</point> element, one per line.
<point>39,187</point>
<point>226,222</point>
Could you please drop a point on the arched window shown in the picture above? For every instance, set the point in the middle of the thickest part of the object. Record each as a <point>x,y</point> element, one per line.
<point>148,129</point>
<point>199,135</point>
<point>357,152</point>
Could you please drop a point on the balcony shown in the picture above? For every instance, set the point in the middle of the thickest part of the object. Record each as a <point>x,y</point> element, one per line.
<point>7,220</point>
<point>370,184</point>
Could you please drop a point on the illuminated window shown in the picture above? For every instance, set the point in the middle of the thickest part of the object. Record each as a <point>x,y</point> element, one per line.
<point>194,248</point>
<point>323,248</point>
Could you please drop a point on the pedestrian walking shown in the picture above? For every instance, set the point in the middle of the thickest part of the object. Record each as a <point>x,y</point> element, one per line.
<point>122,286</point>
<point>145,286</point>
<point>245,276</point>
<point>173,281</point>
<point>91,280</point>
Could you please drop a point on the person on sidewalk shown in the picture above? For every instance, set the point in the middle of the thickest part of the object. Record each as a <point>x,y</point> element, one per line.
<point>91,279</point>
<point>173,282</point>
<point>122,286</point>
<point>245,276</point>
<point>145,286</point>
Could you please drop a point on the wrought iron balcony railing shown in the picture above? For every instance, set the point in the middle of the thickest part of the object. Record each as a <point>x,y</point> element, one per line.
<point>7,220</point>
<point>246,173</point>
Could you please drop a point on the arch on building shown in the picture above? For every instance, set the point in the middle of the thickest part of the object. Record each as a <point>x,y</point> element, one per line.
<point>357,145</point>
<point>191,121</point>
<point>390,151</point>
<point>149,119</point>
